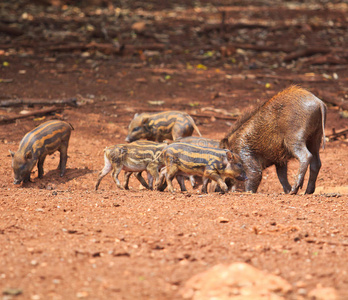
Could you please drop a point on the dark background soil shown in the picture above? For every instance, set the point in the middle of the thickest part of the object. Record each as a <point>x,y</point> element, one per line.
<point>60,239</point>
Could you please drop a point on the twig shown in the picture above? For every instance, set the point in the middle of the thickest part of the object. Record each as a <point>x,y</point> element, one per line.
<point>41,112</point>
<point>335,135</point>
<point>332,99</point>
<point>214,116</point>
<point>329,58</point>
<point>105,47</point>
<point>19,102</point>
<point>10,30</point>
<point>311,51</point>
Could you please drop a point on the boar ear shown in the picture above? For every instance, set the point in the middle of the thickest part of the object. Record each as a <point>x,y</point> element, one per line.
<point>12,153</point>
<point>224,143</point>
<point>230,155</point>
<point>28,155</point>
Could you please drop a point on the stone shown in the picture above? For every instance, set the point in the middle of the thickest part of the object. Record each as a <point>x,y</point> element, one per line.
<point>323,293</point>
<point>235,281</point>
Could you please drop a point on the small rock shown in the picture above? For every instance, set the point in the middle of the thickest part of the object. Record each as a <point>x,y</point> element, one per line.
<point>302,292</point>
<point>235,281</point>
<point>81,294</point>
<point>12,292</point>
<point>34,262</point>
<point>139,26</point>
<point>222,220</point>
<point>323,293</point>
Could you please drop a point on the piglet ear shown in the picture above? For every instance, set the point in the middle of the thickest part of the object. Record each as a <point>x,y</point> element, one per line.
<point>136,115</point>
<point>145,120</point>
<point>28,155</point>
<point>12,153</point>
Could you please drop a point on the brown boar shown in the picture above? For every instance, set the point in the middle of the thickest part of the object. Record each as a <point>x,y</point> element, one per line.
<point>160,126</point>
<point>290,125</point>
<point>44,140</point>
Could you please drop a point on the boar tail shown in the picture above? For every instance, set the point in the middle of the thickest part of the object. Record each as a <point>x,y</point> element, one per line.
<point>323,120</point>
<point>194,125</point>
<point>158,159</point>
<point>72,128</point>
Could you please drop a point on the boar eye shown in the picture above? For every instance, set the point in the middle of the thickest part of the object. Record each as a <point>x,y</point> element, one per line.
<point>239,165</point>
<point>136,129</point>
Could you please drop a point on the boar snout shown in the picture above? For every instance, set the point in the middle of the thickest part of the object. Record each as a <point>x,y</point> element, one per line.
<point>128,139</point>
<point>242,177</point>
<point>17,181</point>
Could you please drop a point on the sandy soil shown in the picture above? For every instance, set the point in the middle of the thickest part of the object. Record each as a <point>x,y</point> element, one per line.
<point>60,239</point>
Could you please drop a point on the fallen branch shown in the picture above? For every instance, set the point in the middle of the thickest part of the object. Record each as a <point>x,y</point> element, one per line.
<point>233,26</point>
<point>309,52</point>
<point>267,48</point>
<point>31,102</point>
<point>143,47</point>
<point>332,99</point>
<point>104,47</point>
<point>294,78</point>
<point>10,30</point>
<point>36,113</point>
<point>330,58</point>
<point>336,134</point>
<point>214,116</point>
<point>231,47</point>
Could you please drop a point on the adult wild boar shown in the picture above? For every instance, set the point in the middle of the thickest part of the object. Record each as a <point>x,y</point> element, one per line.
<point>290,125</point>
<point>160,126</point>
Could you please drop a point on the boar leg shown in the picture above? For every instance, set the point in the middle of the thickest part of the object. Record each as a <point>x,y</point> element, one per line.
<point>205,185</point>
<point>315,166</point>
<point>282,172</point>
<point>115,174</point>
<point>150,180</point>
<point>162,184</point>
<point>171,171</point>
<point>138,176</point>
<point>304,157</point>
<point>152,169</point>
<point>107,168</point>
<point>254,174</point>
<point>181,181</point>
<point>213,187</point>
<point>63,159</point>
<point>142,181</point>
<point>127,175</point>
<point>40,166</point>
<point>216,177</point>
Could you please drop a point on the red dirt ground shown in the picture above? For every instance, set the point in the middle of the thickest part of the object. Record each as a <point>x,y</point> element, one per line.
<point>60,239</point>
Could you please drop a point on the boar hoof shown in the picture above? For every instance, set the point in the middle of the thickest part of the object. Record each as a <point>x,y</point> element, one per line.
<point>293,192</point>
